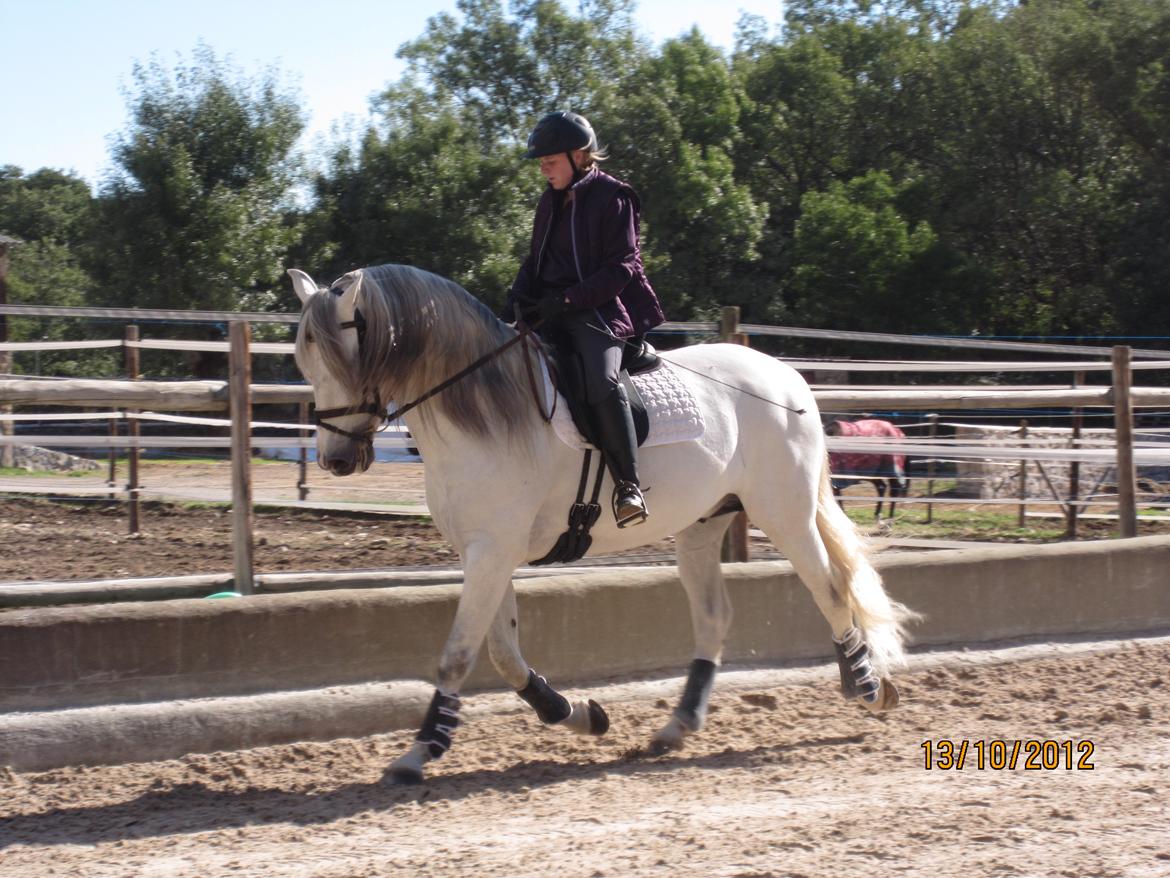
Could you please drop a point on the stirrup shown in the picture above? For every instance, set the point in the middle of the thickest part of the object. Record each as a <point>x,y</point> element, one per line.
<point>629,506</point>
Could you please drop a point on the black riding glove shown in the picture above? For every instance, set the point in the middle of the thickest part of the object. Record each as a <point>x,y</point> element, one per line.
<point>551,306</point>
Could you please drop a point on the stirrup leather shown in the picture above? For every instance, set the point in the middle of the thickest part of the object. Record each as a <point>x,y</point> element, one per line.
<point>629,506</point>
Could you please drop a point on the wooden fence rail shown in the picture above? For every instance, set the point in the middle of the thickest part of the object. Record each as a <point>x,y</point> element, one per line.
<point>215,396</point>
<point>239,395</point>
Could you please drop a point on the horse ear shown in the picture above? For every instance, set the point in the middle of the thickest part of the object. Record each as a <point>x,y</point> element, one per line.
<point>348,285</point>
<point>303,285</point>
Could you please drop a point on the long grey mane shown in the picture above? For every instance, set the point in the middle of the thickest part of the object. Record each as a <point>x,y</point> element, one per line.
<point>420,330</point>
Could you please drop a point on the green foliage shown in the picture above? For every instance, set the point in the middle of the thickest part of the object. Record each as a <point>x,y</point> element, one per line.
<point>199,211</point>
<point>51,213</point>
<point>672,135</point>
<point>504,72</point>
<point>422,191</point>
<point>853,252</point>
<point>47,205</point>
<point>937,166</point>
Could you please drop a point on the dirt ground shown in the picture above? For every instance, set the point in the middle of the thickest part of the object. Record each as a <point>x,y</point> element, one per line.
<point>65,541</point>
<point>88,538</point>
<point>189,531</point>
<point>787,780</point>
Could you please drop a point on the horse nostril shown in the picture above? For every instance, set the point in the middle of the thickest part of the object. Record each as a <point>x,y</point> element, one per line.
<point>341,467</point>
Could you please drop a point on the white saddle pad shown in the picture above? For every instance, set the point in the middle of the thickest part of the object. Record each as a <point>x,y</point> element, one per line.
<point>674,415</point>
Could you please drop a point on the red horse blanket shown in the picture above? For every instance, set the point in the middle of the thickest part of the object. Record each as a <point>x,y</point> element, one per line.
<point>861,464</point>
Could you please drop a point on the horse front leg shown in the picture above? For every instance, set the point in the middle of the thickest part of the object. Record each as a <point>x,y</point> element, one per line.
<point>583,717</point>
<point>699,568</point>
<point>487,576</point>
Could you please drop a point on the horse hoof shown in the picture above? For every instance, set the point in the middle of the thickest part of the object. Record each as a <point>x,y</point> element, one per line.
<point>404,777</point>
<point>667,740</point>
<point>661,746</point>
<point>598,719</point>
<point>888,697</point>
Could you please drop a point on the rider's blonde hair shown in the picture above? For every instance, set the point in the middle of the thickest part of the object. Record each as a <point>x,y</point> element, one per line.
<point>591,157</point>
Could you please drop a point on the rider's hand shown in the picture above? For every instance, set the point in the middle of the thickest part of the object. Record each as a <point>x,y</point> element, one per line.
<point>551,306</point>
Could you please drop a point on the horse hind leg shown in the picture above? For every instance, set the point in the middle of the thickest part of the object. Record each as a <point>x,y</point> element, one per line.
<point>824,549</point>
<point>583,717</point>
<point>899,487</point>
<point>698,549</point>
<point>860,679</point>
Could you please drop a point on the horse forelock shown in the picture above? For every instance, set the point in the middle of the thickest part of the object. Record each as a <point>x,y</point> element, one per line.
<point>420,330</point>
<point>319,321</point>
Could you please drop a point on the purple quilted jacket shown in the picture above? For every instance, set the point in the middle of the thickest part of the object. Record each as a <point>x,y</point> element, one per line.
<point>604,230</point>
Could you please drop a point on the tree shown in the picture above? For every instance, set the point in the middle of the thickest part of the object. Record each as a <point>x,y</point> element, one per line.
<point>51,212</point>
<point>438,182</point>
<point>824,105</point>
<point>673,134</point>
<point>854,253</point>
<point>199,211</point>
<point>423,192</point>
<point>505,72</point>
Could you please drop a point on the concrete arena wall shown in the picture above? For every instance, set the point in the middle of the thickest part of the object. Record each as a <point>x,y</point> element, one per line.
<point>573,629</point>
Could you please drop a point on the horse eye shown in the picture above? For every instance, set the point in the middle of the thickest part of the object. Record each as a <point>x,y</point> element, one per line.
<point>309,338</point>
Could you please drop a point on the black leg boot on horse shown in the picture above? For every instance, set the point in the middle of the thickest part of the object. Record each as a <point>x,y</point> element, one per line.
<point>619,444</point>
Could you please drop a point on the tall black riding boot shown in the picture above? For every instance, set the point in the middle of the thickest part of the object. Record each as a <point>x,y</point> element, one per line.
<point>619,444</point>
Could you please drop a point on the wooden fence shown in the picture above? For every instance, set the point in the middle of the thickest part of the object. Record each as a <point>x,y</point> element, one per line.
<point>239,395</point>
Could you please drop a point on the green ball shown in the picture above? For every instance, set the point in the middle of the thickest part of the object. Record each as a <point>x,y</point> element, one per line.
<point>223,594</point>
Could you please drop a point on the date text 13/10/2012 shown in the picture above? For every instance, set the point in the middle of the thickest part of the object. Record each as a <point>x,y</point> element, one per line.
<point>1001,755</point>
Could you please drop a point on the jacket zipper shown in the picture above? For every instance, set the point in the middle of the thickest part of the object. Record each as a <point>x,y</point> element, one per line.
<point>577,262</point>
<point>573,238</point>
<point>543,244</point>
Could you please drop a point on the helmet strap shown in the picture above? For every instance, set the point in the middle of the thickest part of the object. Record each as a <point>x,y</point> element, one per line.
<point>577,175</point>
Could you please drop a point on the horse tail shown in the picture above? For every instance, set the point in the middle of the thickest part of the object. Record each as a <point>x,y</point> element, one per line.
<point>880,619</point>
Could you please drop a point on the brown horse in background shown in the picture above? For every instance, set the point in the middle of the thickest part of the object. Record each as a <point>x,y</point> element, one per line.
<point>887,470</point>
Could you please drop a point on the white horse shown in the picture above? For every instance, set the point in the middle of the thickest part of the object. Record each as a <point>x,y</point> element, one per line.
<point>500,482</point>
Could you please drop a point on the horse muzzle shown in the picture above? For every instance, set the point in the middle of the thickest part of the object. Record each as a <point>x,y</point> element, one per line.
<point>348,459</point>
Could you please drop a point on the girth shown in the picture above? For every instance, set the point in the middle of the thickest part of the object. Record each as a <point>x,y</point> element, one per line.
<point>576,540</point>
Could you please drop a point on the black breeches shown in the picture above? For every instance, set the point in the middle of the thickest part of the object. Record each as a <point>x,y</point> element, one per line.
<point>586,334</point>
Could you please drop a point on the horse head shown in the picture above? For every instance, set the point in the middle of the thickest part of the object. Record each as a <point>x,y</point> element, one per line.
<point>328,353</point>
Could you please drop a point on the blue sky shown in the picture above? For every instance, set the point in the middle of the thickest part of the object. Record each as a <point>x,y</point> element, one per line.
<point>64,63</point>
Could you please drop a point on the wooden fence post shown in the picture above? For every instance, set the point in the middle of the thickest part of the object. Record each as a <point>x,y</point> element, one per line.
<point>112,474</point>
<point>7,428</point>
<point>239,382</point>
<point>1023,493</point>
<point>735,541</point>
<point>1074,468</point>
<point>933,418</point>
<point>303,456</point>
<point>1123,434</point>
<point>132,433</point>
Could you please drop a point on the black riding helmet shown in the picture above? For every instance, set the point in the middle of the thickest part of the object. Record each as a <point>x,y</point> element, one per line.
<point>561,131</point>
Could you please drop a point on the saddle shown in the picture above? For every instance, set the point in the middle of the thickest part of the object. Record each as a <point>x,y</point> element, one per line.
<point>638,357</point>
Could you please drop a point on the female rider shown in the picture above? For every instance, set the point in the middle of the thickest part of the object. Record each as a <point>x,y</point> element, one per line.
<point>583,285</point>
